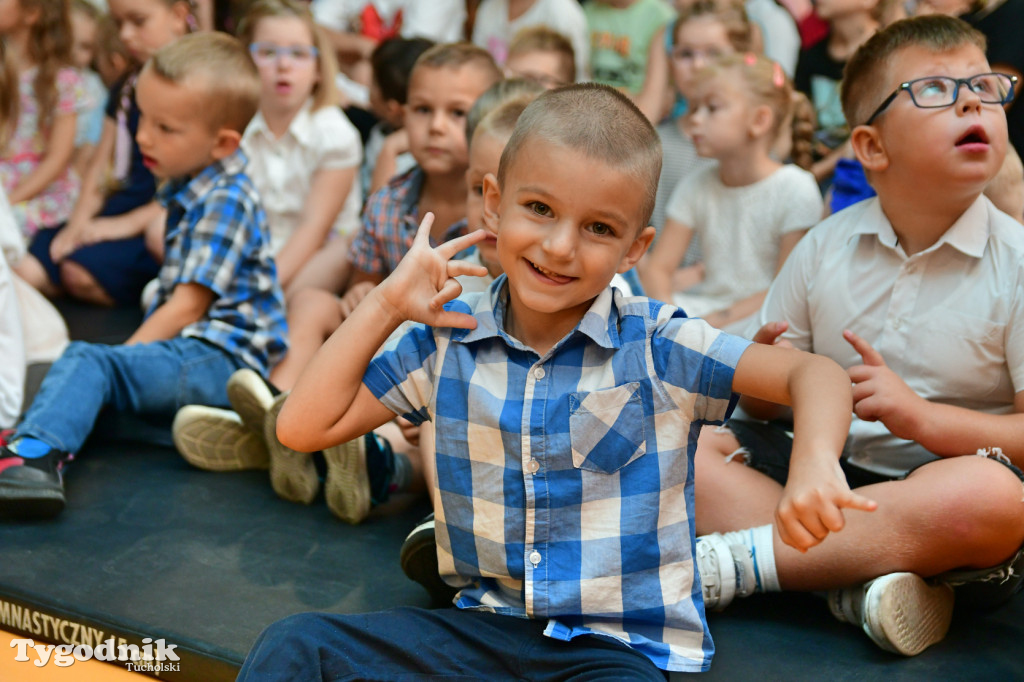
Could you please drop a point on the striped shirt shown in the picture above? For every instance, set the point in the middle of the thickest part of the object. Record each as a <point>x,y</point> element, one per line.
<point>565,481</point>
<point>217,236</point>
<point>390,220</point>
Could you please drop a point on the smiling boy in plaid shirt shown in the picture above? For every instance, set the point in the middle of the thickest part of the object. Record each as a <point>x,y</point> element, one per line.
<point>219,306</point>
<point>565,417</point>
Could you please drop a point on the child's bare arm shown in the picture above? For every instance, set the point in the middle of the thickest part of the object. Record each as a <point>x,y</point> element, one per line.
<point>330,404</point>
<point>661,262</point>
<point>187,304</point>
<point>944,430</point>
<point>327,194</point>
<point>819,392</point>
<point>60,147</point>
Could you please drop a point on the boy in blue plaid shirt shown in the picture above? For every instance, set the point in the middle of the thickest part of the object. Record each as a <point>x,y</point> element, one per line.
<point>565,419</point>
<point>219,306</point>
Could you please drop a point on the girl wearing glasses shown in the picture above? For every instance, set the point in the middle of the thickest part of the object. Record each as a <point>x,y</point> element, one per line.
<point>303,152</point>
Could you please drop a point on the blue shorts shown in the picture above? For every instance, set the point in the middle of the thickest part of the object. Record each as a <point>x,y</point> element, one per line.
<point>767,446</point>
<point>122,267</point>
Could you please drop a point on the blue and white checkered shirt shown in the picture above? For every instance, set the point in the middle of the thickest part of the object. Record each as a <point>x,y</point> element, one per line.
<point>217,236</point>
<point>565,482</point>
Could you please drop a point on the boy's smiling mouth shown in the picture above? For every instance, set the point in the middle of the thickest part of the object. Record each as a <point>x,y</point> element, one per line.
<point>549,274</point>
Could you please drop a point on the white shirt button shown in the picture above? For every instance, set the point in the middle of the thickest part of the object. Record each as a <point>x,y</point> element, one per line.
<point>539,373</point>
<point>533,466</point>
<point>535,558</point>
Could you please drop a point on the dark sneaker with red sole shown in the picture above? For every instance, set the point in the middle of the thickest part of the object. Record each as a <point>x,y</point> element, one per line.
<point>31,488</point>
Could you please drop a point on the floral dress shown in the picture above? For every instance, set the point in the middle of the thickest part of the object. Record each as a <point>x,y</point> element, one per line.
<point>27,147</point>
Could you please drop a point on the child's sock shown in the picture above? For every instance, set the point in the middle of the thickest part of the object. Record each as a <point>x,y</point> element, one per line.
<point>388,471</point>
<point>27,447</point>
<point>753,551</point>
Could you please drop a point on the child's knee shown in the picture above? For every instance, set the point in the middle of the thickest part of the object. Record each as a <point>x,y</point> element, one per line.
<point>718,443</point>
<point>79,282</point>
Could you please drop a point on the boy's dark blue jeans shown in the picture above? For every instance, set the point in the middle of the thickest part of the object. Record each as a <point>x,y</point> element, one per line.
<point>146,379</point>
<point>450,644</point>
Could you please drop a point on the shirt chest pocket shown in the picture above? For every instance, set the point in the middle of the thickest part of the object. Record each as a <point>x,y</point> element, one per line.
<point>607,428</point>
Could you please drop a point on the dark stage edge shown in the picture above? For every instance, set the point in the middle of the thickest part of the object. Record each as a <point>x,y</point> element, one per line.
<point>151,547</point>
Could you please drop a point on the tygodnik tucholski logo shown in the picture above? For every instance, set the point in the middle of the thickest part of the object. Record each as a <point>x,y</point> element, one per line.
<point>153,656</point>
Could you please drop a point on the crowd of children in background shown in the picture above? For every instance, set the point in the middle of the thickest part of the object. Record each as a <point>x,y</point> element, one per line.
<point>359,131</point>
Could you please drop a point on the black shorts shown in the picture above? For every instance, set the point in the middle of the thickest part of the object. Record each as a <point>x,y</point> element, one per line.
<point>767,447</point>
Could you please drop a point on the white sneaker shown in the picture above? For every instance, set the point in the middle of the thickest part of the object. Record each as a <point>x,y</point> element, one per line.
<point>347,488</point>
<point>900,612</point>
<point>250,397</point>
<point>214,439</point>
<point>717,571</point>
<point>292,473</point>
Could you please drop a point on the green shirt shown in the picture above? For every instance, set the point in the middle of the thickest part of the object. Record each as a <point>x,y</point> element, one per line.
<point>620,38</point>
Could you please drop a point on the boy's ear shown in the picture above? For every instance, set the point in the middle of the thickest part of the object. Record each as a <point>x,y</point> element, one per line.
<point>492,202</point>
<point>869,149</point>
<point>394,112</point>
<point>761,121</point>
<point>228,141</point>
<point>637,249</point>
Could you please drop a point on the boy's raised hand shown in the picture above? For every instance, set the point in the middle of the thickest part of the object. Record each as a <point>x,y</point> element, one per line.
<point>879,394</point>
<point>425,280</point>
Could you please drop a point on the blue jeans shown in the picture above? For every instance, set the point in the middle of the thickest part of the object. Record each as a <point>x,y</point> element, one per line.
<point>418,644</point>
<point>152,379</point>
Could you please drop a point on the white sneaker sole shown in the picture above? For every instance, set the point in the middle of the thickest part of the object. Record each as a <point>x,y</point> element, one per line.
<point>292,473</point>
<point>215,440</point>
<point>905,615</point>
<point>250,398</point>
<point>348,484</point>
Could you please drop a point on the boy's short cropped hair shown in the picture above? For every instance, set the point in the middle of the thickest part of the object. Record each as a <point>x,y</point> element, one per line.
<point>544,39</point>
<point>456,55</point>
<point>864,80</point>
<point>597,121</point>
<point>392,61</point>
<point>496,95</point>
<point>219,67</point>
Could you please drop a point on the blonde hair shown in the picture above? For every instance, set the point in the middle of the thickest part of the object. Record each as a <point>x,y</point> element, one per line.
<point>223,71</point>
<point>49,48</point>
<point>734,19</point>
<point>495,96</point>
<point>456,55</point>
<point>325,92</point>
<point>864,73</point>
<point>544,39</point>
<point>597,121</point>
<point>766,83</point>
<point>10,105</point>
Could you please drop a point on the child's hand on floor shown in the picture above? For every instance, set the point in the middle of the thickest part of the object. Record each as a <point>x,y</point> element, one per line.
<point>425,280</point>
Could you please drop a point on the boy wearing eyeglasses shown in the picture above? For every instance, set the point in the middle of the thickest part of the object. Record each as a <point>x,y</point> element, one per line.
<point>919,293</point>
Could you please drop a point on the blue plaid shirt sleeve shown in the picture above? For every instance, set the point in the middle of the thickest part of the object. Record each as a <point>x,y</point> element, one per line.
<point>218,240</point>
<point>402,376</point>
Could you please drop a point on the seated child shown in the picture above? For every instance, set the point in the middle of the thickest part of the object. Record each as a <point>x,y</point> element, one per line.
<point>100,254</point>
<point>621,32</point>
<point>497,22</point>
<point>563,414</point>
<point>918,293</point>
<point>445,82</point>
<point>749,209</point>
<point>387,147</point>
<point>85,22</point>
<point>224,440</point>
<point>543,55</point>
<point>303,152</point>
<point>219,306</point>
